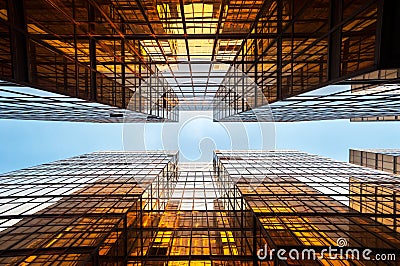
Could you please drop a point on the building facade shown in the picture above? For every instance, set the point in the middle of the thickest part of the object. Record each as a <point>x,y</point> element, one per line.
<point>85,210</point>
<point>301,201</point>
<point>127,208</point>
<point>146,56</point>
<point>377,198</point>
<point>380,159</point>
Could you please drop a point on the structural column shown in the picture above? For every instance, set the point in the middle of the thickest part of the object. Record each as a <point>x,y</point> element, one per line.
<point>335,38</point>
<point>17,19</point>
<point>92,54</point>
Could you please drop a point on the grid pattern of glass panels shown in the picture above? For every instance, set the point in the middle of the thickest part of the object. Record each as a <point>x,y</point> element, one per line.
<point>105,52</point>
<point>381,199</point>
<point>198,226</point>
<point>306,201</point>
<point>17,102</point>
<point>127,208</point>
<point>381,159</point>
<point>25,103</point>
<point>309,43</point>
<point>377,118</point>
<point>333,102</point>
<point>82,209</point>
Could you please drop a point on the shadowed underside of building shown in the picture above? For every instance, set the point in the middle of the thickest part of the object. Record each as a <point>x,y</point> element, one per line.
<point>127,208</point>
<point>102,57</point>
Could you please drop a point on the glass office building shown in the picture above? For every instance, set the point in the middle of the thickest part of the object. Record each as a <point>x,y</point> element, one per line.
<point>85,210</point>
<point>127,208</point>
<point>381,159</point>
<point>303,201</point>
<point>378,118</point>
<point>380,200</point>
<point>377,198</point>
<point>145,57</point>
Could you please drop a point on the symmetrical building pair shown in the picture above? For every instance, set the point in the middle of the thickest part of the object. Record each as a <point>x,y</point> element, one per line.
<point>130,208</point>
<point>143,61</point>
<point>114,61</point>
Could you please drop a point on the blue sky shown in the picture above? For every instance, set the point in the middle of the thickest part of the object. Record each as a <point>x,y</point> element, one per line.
<point>28,143</point>
<point>196,136</point>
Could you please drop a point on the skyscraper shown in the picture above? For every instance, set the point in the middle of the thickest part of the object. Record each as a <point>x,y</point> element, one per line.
<point>135,61</point>
<point>99,58</point>
<point>381,159</point>
<point>83,210</point>
<point>303,201</point>
<point>377,197</point>
<point>129,208</point>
